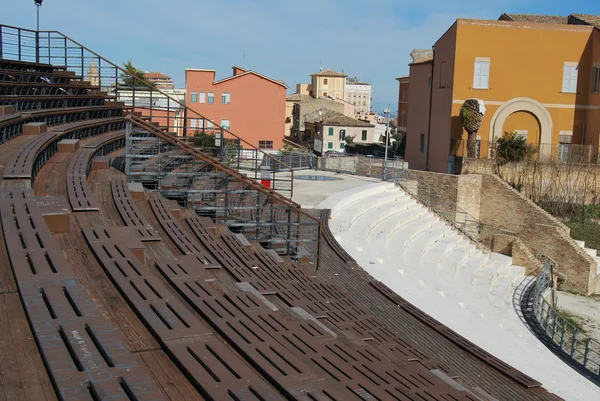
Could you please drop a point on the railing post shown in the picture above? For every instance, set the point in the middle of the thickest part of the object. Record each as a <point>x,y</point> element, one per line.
<point>1,39</point>
<point>65,48</point>
<point>19,46</point>
<point>562,335</point>
<point>37,46</point>
<point>82,62</point>
<point>586,355</point>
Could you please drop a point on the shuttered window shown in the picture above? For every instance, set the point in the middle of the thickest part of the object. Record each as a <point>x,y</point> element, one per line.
<point>481,78</point>
<point>596,87</point>
<point>570,78</point>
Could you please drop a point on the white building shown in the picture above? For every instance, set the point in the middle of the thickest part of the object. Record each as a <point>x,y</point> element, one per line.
<point>358,94</point>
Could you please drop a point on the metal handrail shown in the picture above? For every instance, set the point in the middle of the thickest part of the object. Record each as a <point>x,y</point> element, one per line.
<point>403,176</point>
<point>143,84</point>
<point>582,350</point>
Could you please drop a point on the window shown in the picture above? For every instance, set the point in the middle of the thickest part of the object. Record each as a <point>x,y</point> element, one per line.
<point>211,97</point>
<point>226,98</point>
<point>330,131</point>
<point>569,78</point>
<point>443,66</point>
<point>596,87</point>
<point>202,97</point>
<point>342,144</point>
<point>325,81</point>
<point>325,94</point>
<point>226,125</point>
<point>194,123</point>
<point>209,124</point>
<point>364,135</point>
<point>342,136</point>
<point>404,95</point>
<point>329,145</point>
<point>564,147</point>
<point>481,77</point>
<point>403,122</point>
<point>521,133</point>
<point>194,97</point>
<point>422,143</point>
<point>268,145</point>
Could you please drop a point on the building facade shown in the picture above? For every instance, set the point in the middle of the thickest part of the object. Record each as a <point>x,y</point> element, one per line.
<point>358,94</point>
<point>417,127</point>
<point>328,83</point>
<point>536,78</point>
<point>160,80</point>
<point>328,130</point>
<point>248,104</point>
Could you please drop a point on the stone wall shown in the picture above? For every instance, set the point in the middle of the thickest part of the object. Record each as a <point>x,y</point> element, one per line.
<point>502,212</point>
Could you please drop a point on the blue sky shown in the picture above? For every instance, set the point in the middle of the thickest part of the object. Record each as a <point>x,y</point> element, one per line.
<point>283,39</point>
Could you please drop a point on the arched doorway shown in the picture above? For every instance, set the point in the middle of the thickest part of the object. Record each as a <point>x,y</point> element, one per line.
<point>522,104</point>
<point>523,123</point>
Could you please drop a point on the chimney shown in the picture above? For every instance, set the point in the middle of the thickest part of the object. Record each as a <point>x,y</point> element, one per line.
<point>238,70</point>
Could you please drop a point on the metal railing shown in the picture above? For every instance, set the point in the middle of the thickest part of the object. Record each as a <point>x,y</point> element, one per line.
<point>568,338</point>
<point>541,152</point>
<point>164,107</point>
<point>160,125</point>
<point>435,201</point>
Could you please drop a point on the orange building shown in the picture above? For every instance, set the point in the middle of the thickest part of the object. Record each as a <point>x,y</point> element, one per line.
<point>538,76</point>
<point>248,104</point>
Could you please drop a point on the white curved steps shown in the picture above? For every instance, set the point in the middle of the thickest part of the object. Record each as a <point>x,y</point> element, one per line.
<point>401,243</point>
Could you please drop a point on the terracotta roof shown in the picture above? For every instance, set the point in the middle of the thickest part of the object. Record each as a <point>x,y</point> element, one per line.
<point>588,19</point>
<point>253,73</point>
<point>331,117</point>
<point>156,75</point>
<point>540,19</point>
<point>423,60</point>
<point>403,76</point>
<point>296,97</point>
<point>329,73</point>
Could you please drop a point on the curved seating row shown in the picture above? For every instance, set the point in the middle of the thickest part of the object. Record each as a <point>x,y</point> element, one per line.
<point>213,368</point>
<point>26,163</point>
<point>129,211</point>
<point>84,356</point>
<point>79,192</point>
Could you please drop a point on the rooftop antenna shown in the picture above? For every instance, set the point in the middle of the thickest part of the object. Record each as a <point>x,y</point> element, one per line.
<point>244,58</point>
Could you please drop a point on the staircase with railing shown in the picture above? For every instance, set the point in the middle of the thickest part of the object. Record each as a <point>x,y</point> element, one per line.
<point>181,153</point>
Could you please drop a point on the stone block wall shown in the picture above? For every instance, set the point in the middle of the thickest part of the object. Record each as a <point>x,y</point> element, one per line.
<point>504,212</point>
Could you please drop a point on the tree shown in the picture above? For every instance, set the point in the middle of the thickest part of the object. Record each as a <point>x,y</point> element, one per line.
<point>471,117</point>
<point>512,147</point>
<point>134,76</point>
<point>205,142</point>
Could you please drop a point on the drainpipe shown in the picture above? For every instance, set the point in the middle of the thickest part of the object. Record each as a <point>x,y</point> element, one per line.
<point>430,103</point>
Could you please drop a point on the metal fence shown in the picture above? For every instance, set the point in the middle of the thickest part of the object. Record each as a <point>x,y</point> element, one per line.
<point>439,204</point>
<point>542,152</point>
<point>570,340</point>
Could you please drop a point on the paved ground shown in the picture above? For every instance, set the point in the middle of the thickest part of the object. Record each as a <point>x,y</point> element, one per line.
<point>586,310</point>
<point>309,193</point>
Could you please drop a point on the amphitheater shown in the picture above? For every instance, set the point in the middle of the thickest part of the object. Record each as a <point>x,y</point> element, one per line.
<point>139,265</point>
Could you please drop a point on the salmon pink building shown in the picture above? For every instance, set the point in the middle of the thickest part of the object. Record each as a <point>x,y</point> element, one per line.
<point>248,104</point>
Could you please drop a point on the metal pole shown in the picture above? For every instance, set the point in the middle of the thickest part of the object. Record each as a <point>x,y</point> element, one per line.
<point>387,141</point>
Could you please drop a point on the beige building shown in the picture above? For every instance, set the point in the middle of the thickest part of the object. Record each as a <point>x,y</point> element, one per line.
<point>160,80</point>
<point>327,130</point>
<point>358,94</point>
<point>328,83</point>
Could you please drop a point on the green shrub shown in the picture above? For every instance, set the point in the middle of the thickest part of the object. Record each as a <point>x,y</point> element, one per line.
<point>511,148</point>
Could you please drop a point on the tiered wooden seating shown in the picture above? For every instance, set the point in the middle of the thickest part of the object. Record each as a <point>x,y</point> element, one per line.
<point>215,369</point>
<point>84,356</point>
<point>129,212</point>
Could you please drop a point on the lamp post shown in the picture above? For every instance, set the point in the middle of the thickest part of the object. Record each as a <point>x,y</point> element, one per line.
<point>38,4</point>
<point>387,141</point>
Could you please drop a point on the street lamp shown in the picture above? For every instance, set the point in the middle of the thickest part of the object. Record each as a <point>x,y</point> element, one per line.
<point>38,3</point>
<point>387,141</point>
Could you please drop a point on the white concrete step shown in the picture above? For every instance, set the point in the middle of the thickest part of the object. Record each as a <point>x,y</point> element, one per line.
<point>341,200</point>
